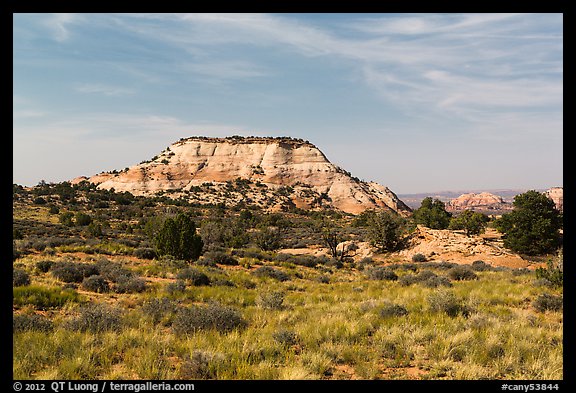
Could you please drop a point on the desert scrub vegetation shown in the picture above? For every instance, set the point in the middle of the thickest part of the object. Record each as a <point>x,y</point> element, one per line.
<point>113,307</point>
<point>352,327</point>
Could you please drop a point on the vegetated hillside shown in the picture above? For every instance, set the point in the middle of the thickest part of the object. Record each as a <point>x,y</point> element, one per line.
<point>271,173</point>
<point>93,299</point>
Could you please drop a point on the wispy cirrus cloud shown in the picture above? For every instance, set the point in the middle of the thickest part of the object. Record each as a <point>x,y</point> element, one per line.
<point>107,90</point>
<point>59,25</point>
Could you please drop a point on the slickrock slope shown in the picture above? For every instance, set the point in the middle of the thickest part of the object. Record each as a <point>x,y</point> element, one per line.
<point>483,201</point>
<point>273,173</point>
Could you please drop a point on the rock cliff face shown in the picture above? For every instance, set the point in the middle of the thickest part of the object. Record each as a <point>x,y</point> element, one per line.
<point>557,195</point>
<point>273,173</point>
<point>484,201</point>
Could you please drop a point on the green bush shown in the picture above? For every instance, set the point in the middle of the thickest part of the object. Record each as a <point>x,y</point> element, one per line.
<point>213,316</point>
<point>220,258</point>
<point>533,227</point>
<point>178,238</point>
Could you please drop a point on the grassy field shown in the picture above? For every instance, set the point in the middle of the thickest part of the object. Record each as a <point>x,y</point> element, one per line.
<point>90,303</point>
<point>350,327</point>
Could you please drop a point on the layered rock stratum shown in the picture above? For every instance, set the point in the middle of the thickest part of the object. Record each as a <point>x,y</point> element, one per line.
<point>272,173</point>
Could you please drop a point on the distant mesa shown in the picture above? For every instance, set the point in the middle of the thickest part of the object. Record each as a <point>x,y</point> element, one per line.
<point>490,203</point>
<point>483,201</point>
<point>271,173</point>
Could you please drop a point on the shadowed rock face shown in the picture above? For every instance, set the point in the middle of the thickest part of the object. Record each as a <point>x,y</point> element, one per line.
<point>277,172</point>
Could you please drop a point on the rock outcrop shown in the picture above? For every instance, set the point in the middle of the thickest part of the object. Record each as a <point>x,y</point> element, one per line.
<point>557,196</point>
<point>272,173</point>
<point>483,201</point>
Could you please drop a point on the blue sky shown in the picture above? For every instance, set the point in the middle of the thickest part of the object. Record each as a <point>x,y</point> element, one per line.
<point>417,102</point>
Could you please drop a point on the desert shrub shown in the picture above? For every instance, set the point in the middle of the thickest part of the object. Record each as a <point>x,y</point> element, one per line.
<point>437,281</point>
<point>222,282</point>
<point>193,276</point>
<point>20,278</point>
<point>548,302</point>
<point>364,262</point>
<point>256,254</point>
<point>285,337</point>
<point>158,309</point>
<point>392,310</point>
<point>145,253</point>
<point>177,286</point>
<point>95,284</point>
<point>131,284</point>
<point>407,280</point>
<point>381,273</point>
<point>34,322</point>
<point>267,271</point>
<point>323,279</point>
<point>82,219</point>
<point>552,272</point>
<point>460,273</point>
<point>44,266</point>
<point>200,365</point>
<point>448,303</point>
<point>305,260</point>
<point>221,258</point>
<point>43,298</point>
<point>271,300</point>
<point>95,318</point>
<point>335,263</point>
<point>481,266</point>
<point>213,316</point>
<point>419,258</point>
<point>73,272</point>
<point>113,271</point>
<point>39,201</point>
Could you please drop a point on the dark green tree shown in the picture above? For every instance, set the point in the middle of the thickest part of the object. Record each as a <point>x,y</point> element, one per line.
<point>473,223</point>
<point>432,214</point>
<point>386,230</point>
<point>533,227</point>
<point>178,238</point>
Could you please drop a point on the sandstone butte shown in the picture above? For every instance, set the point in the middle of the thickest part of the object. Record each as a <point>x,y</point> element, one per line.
<point>480,200</point>
<point>271,173</point>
